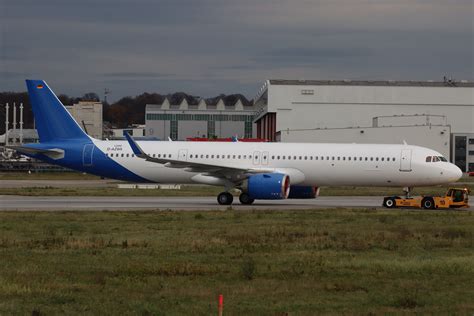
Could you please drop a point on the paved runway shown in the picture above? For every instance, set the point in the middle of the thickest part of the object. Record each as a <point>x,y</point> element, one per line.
<point>83,203</point>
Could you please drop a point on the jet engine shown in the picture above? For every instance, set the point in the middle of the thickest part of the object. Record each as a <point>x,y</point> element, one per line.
<point>303,192</point>
<point>267,186</point>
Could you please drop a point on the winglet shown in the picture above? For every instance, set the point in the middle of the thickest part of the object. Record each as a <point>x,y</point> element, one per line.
<point>133,144</point>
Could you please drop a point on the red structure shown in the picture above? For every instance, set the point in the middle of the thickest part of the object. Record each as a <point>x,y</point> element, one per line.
<point>266,127</point>
<point>229,139</point>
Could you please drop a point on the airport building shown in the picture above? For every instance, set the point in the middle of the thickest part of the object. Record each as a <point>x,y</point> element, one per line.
<point>438,115</point>
<point>88,114</point>
<point>187,117</point>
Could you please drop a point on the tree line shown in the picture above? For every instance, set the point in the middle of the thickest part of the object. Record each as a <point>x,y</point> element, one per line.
<point>122,113</point>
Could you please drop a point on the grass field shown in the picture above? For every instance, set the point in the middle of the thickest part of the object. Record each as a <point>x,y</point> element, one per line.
<point>208,191</point>
<point>296,262</point>
<point>47,176</point>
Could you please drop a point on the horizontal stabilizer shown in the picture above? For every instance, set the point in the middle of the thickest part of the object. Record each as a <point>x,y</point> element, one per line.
<point>54,153</point>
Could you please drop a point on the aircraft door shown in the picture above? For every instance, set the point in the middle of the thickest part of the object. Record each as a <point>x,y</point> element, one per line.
<point>183,155</point>
<point>87,152</point>
<point>405,160</point>
<point>265,158</point>
<point>256,157</point>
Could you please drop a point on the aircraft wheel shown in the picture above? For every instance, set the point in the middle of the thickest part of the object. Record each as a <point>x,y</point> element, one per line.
<point>428,203</point>
<point>244,198</point>
<point>390,202</point>
<point>225,198</point>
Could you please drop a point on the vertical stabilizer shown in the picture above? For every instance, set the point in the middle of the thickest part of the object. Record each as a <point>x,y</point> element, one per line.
<point>53,121</point>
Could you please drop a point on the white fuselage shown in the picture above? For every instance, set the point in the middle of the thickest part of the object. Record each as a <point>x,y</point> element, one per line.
<point>306,163</point>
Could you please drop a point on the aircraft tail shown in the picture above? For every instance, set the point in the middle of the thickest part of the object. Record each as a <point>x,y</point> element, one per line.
<point>53,121</point>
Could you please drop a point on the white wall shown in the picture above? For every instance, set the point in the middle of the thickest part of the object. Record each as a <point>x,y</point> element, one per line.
<point>352,106</point>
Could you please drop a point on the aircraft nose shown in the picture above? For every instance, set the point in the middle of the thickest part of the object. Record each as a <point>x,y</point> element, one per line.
<point>455,172</point>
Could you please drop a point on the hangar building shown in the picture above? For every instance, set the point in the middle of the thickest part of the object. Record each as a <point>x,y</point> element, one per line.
<point>438,115</point>
<point>187,117</point>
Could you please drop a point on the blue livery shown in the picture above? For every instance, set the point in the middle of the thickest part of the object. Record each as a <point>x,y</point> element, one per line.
<point>58,131</point>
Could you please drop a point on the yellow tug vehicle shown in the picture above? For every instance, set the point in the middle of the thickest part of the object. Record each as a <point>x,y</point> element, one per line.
<point>454,198</point>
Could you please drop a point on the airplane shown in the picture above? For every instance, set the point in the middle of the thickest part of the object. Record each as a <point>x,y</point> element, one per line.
<point>260,171</point>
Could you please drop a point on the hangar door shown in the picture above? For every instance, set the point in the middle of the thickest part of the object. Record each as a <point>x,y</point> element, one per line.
<point>405,160</point>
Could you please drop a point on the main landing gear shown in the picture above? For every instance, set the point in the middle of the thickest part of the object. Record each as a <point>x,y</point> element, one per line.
<point>245,199</point>
<point>225,198</point>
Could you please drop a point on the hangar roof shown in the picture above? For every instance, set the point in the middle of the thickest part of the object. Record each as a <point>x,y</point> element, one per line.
<point>447,83</point>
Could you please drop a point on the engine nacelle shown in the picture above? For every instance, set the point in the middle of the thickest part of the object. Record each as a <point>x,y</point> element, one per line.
<point>268,186</point>
<point>303,192</point>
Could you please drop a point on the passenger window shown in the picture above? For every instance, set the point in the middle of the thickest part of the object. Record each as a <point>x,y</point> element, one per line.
<point>343,158</point>
<point>377,159</point>
<point>239,157</point>
<point>283,157</point>
<point>207,156</point>
<point>301,157</point>
<point>305,158</point>
<point>316,158</point>
<point>289,157</point>
<point>212,156</point>
<point>295,158</point>
<point>338,158</point>
<point>393,159</point>
<point>233,156</point>
<point>333,158</point>
<point>273,157</point>
<point>349,158</point>
<point>127,155</point>
<point>245,156</point>
<point>278,157</point>
<point>383,158</point>
<point>371,158</point>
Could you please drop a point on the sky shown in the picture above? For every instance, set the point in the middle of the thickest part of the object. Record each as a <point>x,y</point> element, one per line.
<point>208,47</point>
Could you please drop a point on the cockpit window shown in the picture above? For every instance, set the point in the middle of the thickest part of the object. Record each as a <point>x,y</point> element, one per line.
<point>435,159</point>
<point>428,159</point>
<point>442,158</point>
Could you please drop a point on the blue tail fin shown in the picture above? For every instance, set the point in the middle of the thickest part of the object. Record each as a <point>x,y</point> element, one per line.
<point>53,121</point>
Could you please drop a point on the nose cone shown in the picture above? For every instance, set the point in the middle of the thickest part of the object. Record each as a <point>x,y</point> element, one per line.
<point>454,173</point>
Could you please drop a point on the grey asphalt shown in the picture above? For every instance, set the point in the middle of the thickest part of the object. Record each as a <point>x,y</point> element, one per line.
<point>58,183</point>
<point>83,203</point>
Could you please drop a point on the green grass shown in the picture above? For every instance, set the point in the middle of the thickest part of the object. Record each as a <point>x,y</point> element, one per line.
<point>208,191</point>
<point>296,262</point>
<point>47,176</point>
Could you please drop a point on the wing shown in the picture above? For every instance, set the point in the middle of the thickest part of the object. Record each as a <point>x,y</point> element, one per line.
<point>228,172</point>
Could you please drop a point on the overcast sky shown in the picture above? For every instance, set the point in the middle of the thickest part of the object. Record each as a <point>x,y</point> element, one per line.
<point>207,47</point>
